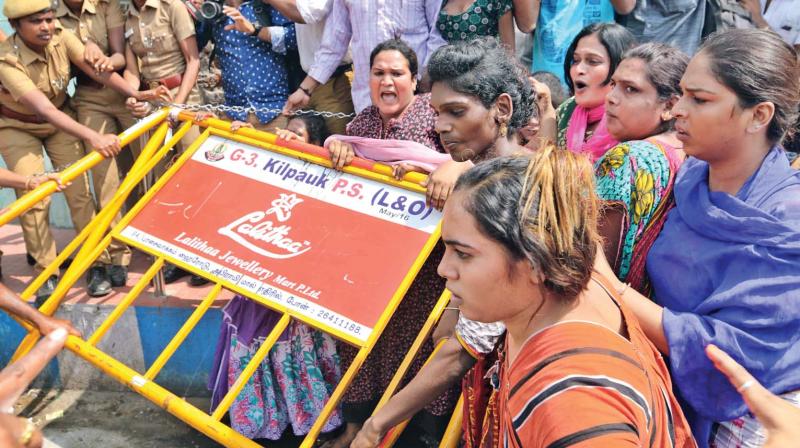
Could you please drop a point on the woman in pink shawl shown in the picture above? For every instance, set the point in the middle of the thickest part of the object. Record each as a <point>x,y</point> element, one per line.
<point>591,60</point>
<point>398,129</point>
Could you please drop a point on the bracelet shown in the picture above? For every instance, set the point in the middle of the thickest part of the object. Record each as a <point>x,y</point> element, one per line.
<point>28,182</point>
<point>622,291</point>
<point>27,433</point>
<point>304,90</point>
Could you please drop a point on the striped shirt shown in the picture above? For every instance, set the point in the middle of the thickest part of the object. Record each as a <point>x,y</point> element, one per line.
<point>363,24</point>
<point>578,383</point>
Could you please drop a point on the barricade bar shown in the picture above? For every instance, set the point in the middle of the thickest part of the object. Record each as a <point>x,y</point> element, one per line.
<point>160,396</point>
<point>97,236</point>
<point>98,228</point>
<point>261,353</point>
<point>77,169</point>
<point>126,302</point>
<point>187,327</point>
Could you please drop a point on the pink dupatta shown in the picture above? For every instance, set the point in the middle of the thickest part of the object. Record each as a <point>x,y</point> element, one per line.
<point>393,152</point>
<point>600,142</point>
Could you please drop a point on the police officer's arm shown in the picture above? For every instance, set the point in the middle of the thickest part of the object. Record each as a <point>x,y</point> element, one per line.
<point>115,23</point>
<point>131,72</point>
<point>183,27</point>
<point>75,51</point>
<point>35,100</point>
<point>192,56</point>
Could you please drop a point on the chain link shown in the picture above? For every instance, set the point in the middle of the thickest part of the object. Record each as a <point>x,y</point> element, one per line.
<point>252,109</point>
<point>225,109</point>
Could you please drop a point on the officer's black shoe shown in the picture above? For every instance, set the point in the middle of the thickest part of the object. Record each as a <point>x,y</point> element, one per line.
<point>196,280</point>
<point>173,273</point>
<point>118,275</point>
<point>98,284</point>
<point>29,258</point>
<point>46,290</point>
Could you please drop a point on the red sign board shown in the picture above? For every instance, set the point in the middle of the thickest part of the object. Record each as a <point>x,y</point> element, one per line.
<point>331,247</point>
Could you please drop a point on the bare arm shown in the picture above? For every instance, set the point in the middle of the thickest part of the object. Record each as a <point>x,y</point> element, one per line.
<point>116,41</point>
<point>623,7</point>
<point>112,79</point>
<point>447,367</point>
<point>131,73</point>
<point>649,314</point>
<point>105,144</point>
<point>506,28</point>
<point>11,303</point>
<point>192,56</point>
<point>288,8</point>
<point>526,13</point>
<point>39,103</point>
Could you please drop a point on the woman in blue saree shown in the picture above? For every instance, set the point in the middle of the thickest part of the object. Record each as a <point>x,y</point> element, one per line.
<point>726,267</point>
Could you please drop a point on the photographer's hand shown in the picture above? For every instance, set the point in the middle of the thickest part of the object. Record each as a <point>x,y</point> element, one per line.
<point>240,22</point>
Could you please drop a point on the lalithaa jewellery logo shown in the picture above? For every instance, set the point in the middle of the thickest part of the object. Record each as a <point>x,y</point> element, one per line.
<point>265,233</point>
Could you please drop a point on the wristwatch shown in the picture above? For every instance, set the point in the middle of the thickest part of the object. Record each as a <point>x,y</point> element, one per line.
<point>256,29</point>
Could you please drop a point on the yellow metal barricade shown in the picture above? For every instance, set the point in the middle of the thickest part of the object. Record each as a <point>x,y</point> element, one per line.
<point>93,240</point>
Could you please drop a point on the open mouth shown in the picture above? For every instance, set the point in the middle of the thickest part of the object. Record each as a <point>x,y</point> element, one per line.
<point>389,97</point>
<point>580,86</point>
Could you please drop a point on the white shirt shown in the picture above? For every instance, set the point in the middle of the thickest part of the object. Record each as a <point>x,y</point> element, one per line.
<point>783,16</point>
<point>363,24</point>
<point>309,35</point>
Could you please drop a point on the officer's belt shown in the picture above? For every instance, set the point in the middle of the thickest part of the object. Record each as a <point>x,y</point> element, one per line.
<point>14,115</point>
<point>169,82</point>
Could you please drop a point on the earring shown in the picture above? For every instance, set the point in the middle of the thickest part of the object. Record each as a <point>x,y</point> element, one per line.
<point>666,115</point>
<point>503,130</point>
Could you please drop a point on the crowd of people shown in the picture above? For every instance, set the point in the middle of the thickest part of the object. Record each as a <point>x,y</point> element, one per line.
<point>615,200</point>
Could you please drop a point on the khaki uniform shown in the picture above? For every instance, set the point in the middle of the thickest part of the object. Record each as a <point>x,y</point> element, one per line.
<point>154,34</point>
<point>22,70</point>
<point>334,96</point>
<point>99,108</point>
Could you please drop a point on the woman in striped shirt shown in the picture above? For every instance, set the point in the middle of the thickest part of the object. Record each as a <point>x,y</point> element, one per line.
<point>574,366</point>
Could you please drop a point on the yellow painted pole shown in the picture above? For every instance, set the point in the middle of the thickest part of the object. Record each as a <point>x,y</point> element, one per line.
<point>126,302</point>
<point>82,260</point>
<point>370,170</point>
<point>452,434</point>
<point>187,327</point>
<point>393,434</point>
<point>160,396</point>
<point>337,395</point>
<point>73,171</point>
<point>261,353</point>
<point>78,240</point>
<point>422,336</point>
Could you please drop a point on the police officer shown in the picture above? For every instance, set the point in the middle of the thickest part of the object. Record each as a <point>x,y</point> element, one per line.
<point>162,51</point>
<point>34,72</point>
<point>99,25</point>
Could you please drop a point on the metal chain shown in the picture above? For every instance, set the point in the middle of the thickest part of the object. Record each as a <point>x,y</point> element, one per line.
<point>252,109</point>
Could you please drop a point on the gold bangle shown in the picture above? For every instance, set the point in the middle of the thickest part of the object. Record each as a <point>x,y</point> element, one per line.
<point>27,433</point>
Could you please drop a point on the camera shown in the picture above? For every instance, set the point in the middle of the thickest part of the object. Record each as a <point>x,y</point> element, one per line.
<point>209,10</point>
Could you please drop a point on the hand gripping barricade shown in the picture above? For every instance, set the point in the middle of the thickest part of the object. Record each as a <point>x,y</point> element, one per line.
<point>263,212</point>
